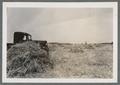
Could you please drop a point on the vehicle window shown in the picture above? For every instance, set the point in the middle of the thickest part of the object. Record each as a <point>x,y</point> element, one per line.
<point>24,38</point>
<point>29,37</point>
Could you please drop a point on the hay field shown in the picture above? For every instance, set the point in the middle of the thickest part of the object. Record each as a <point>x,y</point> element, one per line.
<point>81,60</point>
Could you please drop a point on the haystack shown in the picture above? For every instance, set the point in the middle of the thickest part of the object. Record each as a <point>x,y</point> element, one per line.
<point>27,58</point>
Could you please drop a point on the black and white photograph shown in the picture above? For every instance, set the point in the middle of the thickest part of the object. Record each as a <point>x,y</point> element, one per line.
<point>63,41</point>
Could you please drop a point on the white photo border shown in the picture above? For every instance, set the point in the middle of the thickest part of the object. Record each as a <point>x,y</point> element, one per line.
<point>113,5</point>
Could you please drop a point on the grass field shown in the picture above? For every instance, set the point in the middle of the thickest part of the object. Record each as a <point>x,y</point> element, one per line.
<point>80,61</point>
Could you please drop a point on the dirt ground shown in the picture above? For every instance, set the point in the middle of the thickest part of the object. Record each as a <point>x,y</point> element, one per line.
<point>79,61</point>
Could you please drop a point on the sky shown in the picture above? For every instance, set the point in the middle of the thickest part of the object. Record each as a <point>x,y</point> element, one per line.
<point>64,25</point>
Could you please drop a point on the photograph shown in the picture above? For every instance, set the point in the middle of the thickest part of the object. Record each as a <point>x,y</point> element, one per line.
<point>59,42</point>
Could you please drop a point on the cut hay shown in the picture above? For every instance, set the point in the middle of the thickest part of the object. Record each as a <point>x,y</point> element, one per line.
<point>27,58</point>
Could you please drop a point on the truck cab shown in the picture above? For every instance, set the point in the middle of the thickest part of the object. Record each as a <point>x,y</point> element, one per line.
<point>20,37</point>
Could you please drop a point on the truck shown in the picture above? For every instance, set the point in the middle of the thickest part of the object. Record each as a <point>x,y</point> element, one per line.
<point>21,37</point>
